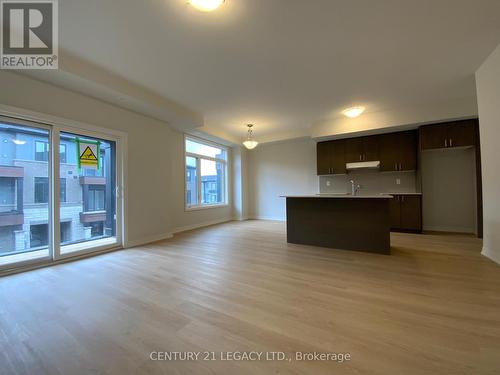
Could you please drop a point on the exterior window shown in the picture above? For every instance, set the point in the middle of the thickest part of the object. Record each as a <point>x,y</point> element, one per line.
<point>62,154</point>
<point>41,151</point>
<point>63,190</point>
<point>7,193</point>
<point>42,190</point>
<point>96,198</point>
<point>205,173</point>
<point>39,235</point>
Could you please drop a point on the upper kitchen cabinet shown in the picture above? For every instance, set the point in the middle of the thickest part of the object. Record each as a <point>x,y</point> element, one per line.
<point>450,134</point>
<point>330,157</point>
<point>462,133</point>
<point>398,151</point>
<point>362,149</point>
<point>323,158</point>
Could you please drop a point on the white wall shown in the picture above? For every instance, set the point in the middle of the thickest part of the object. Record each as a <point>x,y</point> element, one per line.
<point>449,186</point>
<point>240,183</point>
<point>280,168</point>
<point>155,155</point>
<point>488,94</point>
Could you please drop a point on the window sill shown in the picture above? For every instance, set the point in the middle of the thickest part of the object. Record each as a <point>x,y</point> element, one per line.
<point>205,207</point>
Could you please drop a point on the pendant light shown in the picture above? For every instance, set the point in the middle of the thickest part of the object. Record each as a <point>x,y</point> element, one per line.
<point>250,143</point>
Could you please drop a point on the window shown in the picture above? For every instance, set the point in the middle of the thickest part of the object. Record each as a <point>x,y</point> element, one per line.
<point>27,172</point>
<point>96,198</point>
<point>205,173</point>
<point>41,151</point>
<point>7,193</point>
<point>42,190</point>
<point>62,153</point>
<point>63,190</point>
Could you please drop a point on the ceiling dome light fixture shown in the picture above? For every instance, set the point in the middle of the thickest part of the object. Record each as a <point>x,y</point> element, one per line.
<point>250,143</point>
<point>353,111</point>
<point>206,5</point>
<point>19,142</point>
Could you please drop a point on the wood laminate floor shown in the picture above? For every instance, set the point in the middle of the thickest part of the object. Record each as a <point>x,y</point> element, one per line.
<point>433,307</point>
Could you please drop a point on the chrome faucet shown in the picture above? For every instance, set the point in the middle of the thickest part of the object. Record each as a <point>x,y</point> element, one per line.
<point>354,188</point>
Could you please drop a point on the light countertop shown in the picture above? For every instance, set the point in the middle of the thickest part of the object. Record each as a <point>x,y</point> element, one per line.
<point>339,196</point>
<point>391,193</point>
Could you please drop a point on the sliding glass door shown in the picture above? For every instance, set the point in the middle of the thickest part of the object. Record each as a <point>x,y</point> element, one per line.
<point>88,211</point>
<point>85,208</point>
<point>24,193</point>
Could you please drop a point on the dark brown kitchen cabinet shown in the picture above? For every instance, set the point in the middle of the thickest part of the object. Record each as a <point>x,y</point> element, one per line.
<point>361,149</point>
<point>323,158</point>
<point>406,213</point>
<point>330,157</point>
<point>398,151</point>
<point>449,134</point>
<point>462,133</point>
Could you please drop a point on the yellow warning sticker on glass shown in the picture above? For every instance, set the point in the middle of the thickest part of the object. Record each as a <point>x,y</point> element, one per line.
<point>88,154</point>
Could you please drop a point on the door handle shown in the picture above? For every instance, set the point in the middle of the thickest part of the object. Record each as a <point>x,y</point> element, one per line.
<point>445,143</point>
<point>451,142</point>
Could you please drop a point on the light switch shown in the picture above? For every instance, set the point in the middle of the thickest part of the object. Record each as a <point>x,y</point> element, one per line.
<point>327,183</point>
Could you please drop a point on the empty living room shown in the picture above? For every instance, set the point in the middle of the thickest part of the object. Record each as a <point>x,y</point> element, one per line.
<point>249,187</point>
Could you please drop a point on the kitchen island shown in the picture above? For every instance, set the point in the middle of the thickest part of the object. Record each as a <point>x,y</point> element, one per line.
<point>340,221</point>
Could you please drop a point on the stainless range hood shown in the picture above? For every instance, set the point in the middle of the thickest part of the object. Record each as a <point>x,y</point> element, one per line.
<point>363,165</point>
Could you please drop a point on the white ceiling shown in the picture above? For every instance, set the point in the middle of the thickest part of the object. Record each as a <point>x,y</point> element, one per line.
<point>289,66</point>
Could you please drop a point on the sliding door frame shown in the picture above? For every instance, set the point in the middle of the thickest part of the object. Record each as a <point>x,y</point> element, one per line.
<point>56,125</point>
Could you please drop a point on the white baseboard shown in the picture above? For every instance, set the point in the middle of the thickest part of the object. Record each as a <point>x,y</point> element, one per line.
<point>149,239</point>
<point>270,218</point>
<point>494,256</point>
<point>201,225</point>
<point>449,229</point>
<point>240,218</point>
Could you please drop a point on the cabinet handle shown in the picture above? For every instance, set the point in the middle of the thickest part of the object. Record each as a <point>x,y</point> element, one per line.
<point>400,166</point>
<point>395,166</point>
<point>445,143</point>
<point>451,142</point>
<point>402,198</point>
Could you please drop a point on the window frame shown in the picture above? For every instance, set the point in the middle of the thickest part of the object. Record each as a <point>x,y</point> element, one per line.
<point>225,162</point>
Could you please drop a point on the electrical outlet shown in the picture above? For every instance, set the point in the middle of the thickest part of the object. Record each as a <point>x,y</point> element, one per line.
<point>398,181</point>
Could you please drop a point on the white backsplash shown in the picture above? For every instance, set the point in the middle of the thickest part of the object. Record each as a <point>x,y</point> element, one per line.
<point>372,182</point>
